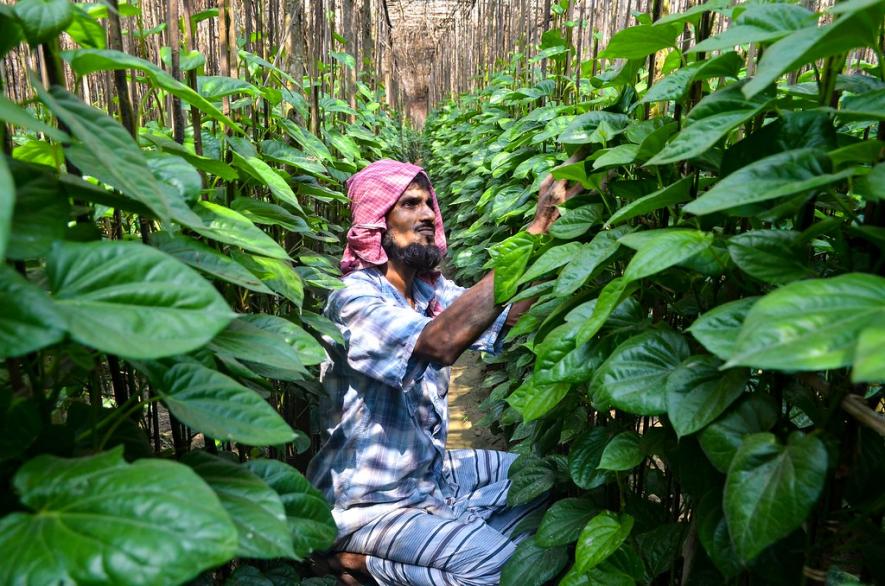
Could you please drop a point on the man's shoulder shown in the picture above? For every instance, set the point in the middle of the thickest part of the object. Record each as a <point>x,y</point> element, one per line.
<point>361,283</point>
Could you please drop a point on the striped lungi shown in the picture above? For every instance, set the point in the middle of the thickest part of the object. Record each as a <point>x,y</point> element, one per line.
<point>414,547</point>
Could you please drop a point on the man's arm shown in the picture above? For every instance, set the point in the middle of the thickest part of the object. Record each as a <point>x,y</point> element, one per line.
<point>445,338</point>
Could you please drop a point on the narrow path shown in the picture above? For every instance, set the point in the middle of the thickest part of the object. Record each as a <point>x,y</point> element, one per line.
<point>465,397</point>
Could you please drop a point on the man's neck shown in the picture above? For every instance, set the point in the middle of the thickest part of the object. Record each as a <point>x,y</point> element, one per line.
<point>401,277</point>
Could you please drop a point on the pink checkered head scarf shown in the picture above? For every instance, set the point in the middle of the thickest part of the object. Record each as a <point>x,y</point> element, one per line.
<point>373,192</point>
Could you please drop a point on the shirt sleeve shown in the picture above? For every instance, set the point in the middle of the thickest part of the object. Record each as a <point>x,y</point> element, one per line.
<point>379,336</point>
<point>491,340</point>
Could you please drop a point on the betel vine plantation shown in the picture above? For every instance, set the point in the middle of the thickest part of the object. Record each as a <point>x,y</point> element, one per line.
<point>696,389</point>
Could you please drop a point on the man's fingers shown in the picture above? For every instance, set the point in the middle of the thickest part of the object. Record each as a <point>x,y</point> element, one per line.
<point>578,155</point>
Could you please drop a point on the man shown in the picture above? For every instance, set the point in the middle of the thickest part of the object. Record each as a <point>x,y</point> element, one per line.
<point>420,514</point>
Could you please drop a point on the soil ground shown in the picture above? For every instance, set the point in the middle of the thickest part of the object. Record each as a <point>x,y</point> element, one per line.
<point>465,397</point>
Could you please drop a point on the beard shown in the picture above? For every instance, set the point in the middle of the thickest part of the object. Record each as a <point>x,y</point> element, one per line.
<point>421,257</point>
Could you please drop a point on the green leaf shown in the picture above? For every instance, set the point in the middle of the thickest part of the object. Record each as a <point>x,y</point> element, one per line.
<point>660,547</point>
<point>602,535</point>
<point>40,216</point>
<point>584,456</point>
<point>657,250</point>
<point>698,392</point>
<point>634,376</point>
<point>207,260</point>
<point>588,259</point>
<point>344,144</point>
<point>253,506</point>
<point>559,361</point>
<point>509,260</point>
<point>85,30</point>
<point>226,225</point>
<point>752,414</point>
<point>760,23</point>
<point>582,130</point>
<point>182,178</point>
<point>28,318</point>
<point>609,298</point>
<point>563,521</point>
<point>85,61</point>
<point>310,522</point>
<point>310,351</point>
<point>530,481</point>
<point>276,274</point>
<point>665,197</point>
<point>13,114</point>
<point>103,534</point>
<point>262,212</point>
<point>810,44</point>
<point>10,30</point>
<point>773,256</point>
<point>771,488</point>
<point>246,341</point>
<point>778,175</point>
<point>869,362</point>
<point>41,20</point>
<point>280,152</point>
<point>622,452</point>
<point>132,300</point>
<point>552,259</point>
<point>810,325</point>
<point>718,329</point>
<point>623,154</point>
<point>575,222</point>
<point>206,164</point>
<point>866,106</point>
<point>533,565</point>
<point>533,400</point>
<point>641,41</point>
<point>215,87</point>
<point>246,158</point>
<point>210,402</point>
<point>106,151</point>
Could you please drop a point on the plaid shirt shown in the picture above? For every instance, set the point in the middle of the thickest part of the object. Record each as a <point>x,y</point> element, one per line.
<point>385,412</point>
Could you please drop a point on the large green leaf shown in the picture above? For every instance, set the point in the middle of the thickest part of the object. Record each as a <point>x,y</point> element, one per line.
<point>667,196</point>
<point>575,222</point>
<point>207,260</point>
<point>676,85</point>
<point>307,512</point>
<point>41,20</point>
<point>866,106</point>
<point>560,361</point>
<point>280,152</point>
<point>759,23</point>
<point>7,204</point>
<point>846,32</point>
<point>246,341</point>
<point>210,402</point>
<point>718,329</point>
<point>177,174</point>
<point>713,534</point>
<point>657,250</point>
<point>602,535</point>
<point>215,87</point>
<point>247,159</point>
<point>584,456</point>
<point>773,256</point>
<point>622,452</point>
<point>698,392</point>
<point>869,361</point>
<point>12,114</point>
<point>641,41</point>
<point>810,325</point>
<point>106,151</point>
<point>100,520</point>
<point>253,506</point>
<point>533,400</point>
<point>40,216</point>
<point>752,414</point>
<point>85,61</point>
<point>778,175</point>
<point>583,129</point>
<point>262,212</point>
<point>226,225</point>
<point>609,298</point>
<point>771,488</point>
<point>207,164</point>
<point>552,259</point>
<point>588,259</point>
<point>509,260</point>
<point>132,300</point>
<point>275,273</point>
<point>533,565</point>
<point>563,521</point>
<point>28,318</point>
<point>634,376</point>
<point>530,481</point>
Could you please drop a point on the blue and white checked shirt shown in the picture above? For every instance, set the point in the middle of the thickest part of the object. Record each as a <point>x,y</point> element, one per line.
<point>385,412</point>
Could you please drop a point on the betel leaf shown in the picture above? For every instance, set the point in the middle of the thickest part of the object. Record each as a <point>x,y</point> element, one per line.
<point>771,487</point>
<point>609,298</point>
<point>773,256</point>
<point>582,129</point>
<point>253,506</point>
<point>41,20</point>
<point>13,114</point>
<point>85,61</point>
<point>40,216</point>
<point>103,534</point>
<point>759,23</point>
<point>107,151</point>
<point>588,259</point>
<point>533,399</point>
<point>599,539</point>
<point>262,212</point>
<point>667,196</point>
<point>633,377</point>
<point>207,260</point>
<point>584,456</point>
<point>530,481</point>
<point>275,273</point>
<point>560,361</point>
<point>869,362</point>
<point>28,318</point>
<point>215,87</point>
<point>575,222</point>
<point>620,155</point>
<point>311,525</point>
<point>226,225</point>
<point>563,521</point>
<point>533,565</point>
<point>310,351</point>
<point>509,260</point>
<point>866,106</point>
<point>206,164</point>
<point>7,204</point>
<point>280,152</point>
<point>175,173</point>
<point>810,325</point>
<point>698,392</point>
<point>218,406</point>
<point>246,341</point>
<point>132,300</point>
<point>718,329</point>
<point>552,259</point>
<point>247,159</point>
<point>622,452</point>
<point>657,250</point>
<point>775,176</point>
<point>641,41</point>
<point>720,440</point>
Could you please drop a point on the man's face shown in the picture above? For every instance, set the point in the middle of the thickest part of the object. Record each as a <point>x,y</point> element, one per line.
<point>410,238</point>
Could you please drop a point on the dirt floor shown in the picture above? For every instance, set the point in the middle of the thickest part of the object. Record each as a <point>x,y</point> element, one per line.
<point>465,397</point>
